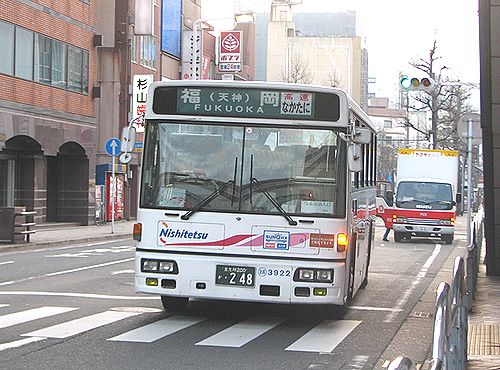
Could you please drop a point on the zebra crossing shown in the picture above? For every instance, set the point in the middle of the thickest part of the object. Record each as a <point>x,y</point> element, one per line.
<point>324,337</point>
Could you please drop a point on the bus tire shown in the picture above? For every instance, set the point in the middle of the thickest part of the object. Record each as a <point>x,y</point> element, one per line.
<point>448,239</point>
<point>398,237</point>
<point>339,311</point>
<point>174,304</point>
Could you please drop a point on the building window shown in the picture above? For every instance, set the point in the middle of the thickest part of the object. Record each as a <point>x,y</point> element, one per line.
<point>58,75</point>
<point>75,65</point>
<point>133,49</point>
<point>148,51</point>
<point>24,54</point>
<point>387,123</point>
<point>41,59</point>
<point>7,53</point>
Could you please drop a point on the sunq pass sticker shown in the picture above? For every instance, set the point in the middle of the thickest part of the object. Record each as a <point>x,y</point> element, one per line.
<point>276,240</point>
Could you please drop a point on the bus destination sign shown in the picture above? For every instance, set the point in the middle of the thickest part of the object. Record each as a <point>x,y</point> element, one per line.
<point>245,103</point>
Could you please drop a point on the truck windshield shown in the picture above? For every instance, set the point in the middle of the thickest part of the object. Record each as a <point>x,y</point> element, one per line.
<point>424,195</point>
<point>301,170</point>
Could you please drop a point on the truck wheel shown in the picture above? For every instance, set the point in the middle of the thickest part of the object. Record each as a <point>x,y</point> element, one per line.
<point>398,237</point>
<point>448,239</point>
<point>174,304</point>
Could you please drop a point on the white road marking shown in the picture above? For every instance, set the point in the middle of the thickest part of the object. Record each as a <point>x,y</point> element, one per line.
<point>325,336</point>
<point>66,271</point>
<point>4,305</point>
<point>6,262</point>
<point>242,333</point>
<point>369,308</point>
<point>94,252</point>
<point>158,329</point>
<point>81,325</point>
<point>30,315</point>
<point>407,294</point>
<point>78,295</point>
<point>123,272</point>
<point>19,343</point>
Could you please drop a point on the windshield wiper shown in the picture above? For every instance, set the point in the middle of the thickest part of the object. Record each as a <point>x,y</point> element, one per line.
<point>207,200</point>
<point>273,201</point>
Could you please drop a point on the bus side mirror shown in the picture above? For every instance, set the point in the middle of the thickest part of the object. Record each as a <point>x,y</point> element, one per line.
<point>354,157</point>
<point>459,198</point>
<point>362,136</point>
<point>389,198</point>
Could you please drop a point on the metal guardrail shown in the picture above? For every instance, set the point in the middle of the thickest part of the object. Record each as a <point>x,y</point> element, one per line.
<point>453,302</point>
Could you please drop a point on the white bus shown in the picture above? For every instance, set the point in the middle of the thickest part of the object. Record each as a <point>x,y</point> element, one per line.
<point>259,192</point>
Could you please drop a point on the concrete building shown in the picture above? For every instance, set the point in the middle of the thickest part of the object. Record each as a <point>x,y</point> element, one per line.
<point>489,29</point>
<point>301,55</point>
<point>48,124</point>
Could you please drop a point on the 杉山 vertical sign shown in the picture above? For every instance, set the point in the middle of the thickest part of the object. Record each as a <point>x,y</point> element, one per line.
<point>139,96</point>
<point>230,51</point>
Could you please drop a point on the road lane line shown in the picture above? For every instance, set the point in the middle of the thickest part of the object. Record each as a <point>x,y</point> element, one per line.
<point>66,271</point>
<point>30,315</point>
<point>325,336</point>
<point>157,330</point>
<point>242,333</point>
<point>6,262</point>
<point>369,308</point>
<point>19,343</point>
<point>78,295</point>
<point>4,305</point>
<point>81,325</point>
<point>420,275</point>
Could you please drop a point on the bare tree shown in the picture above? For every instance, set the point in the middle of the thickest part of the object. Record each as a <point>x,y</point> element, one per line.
<point>298,71</point>
<point>333,79</point>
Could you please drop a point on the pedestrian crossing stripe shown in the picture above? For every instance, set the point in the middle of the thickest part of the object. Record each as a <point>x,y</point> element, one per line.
<point>323,338</point>
<point>158,329</point>
<point>30,315</point>
<point>242,333</point>
<point>78,326</point>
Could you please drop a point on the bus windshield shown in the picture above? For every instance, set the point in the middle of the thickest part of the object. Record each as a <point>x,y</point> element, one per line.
<point>262,170</point>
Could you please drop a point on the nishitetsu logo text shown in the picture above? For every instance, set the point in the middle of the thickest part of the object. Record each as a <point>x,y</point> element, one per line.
<point>167,232</point>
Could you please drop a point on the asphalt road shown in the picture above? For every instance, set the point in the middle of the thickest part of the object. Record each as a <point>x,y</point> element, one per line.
<point>74,307</point>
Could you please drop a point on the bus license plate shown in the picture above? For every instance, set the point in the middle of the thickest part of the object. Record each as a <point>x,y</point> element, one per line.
<point>235,275</point>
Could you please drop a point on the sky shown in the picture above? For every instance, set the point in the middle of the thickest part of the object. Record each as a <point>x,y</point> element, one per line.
<point>395,32</point>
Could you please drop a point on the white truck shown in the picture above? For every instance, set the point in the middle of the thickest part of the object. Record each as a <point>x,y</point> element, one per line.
<point>426,194</point>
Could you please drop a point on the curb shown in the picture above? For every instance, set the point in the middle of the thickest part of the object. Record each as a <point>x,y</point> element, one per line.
<point>35,245</point>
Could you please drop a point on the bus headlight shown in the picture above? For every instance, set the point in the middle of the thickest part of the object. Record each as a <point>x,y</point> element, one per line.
<point>324,276</point>
<point>313,275</point>
<point>306,275</point>
<point>159,266</point>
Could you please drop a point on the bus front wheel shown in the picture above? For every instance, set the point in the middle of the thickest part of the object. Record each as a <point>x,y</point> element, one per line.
<point>174,304</point>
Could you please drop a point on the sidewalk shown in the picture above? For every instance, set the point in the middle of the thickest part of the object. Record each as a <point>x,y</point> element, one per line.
<point>74,234</point>
<point>484,319</point>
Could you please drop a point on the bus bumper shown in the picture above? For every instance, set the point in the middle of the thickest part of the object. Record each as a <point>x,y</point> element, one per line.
<point>265,280</point>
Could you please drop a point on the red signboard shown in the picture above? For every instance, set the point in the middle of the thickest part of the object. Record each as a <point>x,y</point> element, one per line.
<point>230,51</point>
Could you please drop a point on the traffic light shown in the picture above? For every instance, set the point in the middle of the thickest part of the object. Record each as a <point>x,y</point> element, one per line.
<point>416,84</point>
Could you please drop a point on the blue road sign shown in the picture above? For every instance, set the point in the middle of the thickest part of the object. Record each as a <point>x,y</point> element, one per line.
<point>113,147</point>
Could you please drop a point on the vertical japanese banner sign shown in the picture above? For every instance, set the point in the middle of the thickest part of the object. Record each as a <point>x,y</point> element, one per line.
<point>139,96</point>
<point>191,55</point>
<point>230,51</point>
